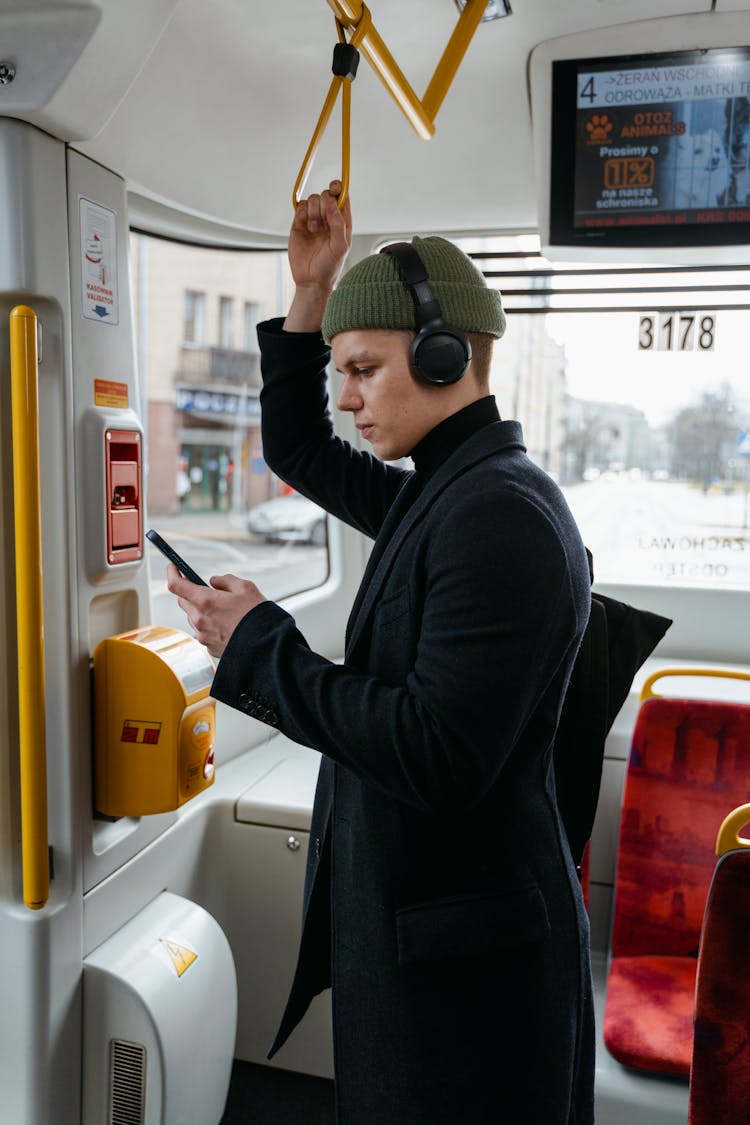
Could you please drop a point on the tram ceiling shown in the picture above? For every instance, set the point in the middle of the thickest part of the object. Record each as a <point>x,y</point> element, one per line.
<point>209,107</point>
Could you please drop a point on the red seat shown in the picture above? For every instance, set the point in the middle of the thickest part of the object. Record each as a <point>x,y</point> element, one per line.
<point>720,1075</point>
<point>689,764</point>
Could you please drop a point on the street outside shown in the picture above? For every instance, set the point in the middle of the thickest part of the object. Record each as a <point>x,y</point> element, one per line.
<point>663,532</point>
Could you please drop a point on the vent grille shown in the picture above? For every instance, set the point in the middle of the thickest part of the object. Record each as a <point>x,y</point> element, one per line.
<point>531,284</point>
<point>127,1095</point>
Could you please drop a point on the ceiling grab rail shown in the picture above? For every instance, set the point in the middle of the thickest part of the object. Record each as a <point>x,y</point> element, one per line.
<point>420,114</point>
<point>29,607</point>
<point>345,63</point>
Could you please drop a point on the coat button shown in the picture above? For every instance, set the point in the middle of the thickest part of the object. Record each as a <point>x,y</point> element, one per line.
<point>244,699</point>
<point>317,847</point>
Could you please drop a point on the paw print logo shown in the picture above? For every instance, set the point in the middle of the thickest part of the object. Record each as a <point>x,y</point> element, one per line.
<point>598,129</point>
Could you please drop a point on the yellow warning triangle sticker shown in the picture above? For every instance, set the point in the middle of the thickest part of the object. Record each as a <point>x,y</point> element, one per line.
<point>182,958</point>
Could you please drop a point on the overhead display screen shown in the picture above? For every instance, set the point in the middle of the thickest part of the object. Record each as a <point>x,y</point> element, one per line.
<point>652,143</point>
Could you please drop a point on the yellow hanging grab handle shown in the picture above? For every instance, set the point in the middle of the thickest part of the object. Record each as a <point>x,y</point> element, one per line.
<point>29,609</point>
<point>728,838</point>
<point>419,113</point>
<point>340,83</point>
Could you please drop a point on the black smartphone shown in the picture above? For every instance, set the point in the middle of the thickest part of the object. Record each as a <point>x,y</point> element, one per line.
<point>171,554</point>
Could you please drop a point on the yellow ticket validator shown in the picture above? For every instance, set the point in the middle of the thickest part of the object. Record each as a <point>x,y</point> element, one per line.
<point>155,724</point>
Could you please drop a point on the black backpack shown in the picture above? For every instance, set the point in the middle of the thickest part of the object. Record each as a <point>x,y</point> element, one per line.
<point>617,640</point>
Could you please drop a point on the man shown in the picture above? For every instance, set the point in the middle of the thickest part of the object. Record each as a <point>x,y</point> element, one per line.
<point>440,901</point>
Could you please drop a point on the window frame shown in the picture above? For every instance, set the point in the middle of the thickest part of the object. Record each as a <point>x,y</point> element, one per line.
<point>226,322</point>
<point>194,314</point>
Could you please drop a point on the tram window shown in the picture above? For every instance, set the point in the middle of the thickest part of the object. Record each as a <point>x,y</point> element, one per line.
<point>631,385</point>
<point>208,488</point>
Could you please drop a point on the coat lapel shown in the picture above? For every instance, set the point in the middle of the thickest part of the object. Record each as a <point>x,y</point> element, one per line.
<point>398,509</point>
<point>406,512</point>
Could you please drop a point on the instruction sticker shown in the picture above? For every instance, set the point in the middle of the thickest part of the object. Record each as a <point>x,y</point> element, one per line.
<point>180,956</point>
<point>98,262</point>
<point>109,393</point>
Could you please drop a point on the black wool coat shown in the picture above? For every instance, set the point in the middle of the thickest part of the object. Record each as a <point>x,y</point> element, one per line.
<point>441,901</point>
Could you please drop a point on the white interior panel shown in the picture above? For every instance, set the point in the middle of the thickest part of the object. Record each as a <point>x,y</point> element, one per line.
<point>250,162</point>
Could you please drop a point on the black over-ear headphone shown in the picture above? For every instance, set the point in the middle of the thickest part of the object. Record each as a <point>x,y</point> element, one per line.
<point>440,353</point>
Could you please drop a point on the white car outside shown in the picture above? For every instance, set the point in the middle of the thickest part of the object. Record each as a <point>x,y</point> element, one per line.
<point>289,519</point>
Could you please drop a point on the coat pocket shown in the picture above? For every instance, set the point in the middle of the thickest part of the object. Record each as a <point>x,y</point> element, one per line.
<point>393,607</point>
<point>470,925</point>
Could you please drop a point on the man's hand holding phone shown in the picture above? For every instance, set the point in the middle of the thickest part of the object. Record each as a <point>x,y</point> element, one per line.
<point>214,611</point>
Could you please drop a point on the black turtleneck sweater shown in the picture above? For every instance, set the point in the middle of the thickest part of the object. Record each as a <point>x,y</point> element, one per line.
<point>436,447</point>
<point>428,455</point>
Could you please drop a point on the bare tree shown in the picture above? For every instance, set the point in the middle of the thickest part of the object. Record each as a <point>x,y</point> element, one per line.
<point>703,438</point>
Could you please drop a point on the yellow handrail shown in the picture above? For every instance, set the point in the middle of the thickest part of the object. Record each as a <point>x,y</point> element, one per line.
<point>344,85</point>
<point>29,609</point>
<point>349,13</point>
<point>419,113</point>
<point>728,838</point>
<point>647,691</point>
<point>452,57</point>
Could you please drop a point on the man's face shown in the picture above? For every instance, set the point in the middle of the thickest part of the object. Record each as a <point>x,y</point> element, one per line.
<point>392,409</point>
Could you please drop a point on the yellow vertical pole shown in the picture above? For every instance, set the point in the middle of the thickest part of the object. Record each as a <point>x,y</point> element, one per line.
<point>29,608</point>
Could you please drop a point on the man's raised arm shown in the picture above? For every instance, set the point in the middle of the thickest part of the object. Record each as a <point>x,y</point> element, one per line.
<point>319,241</point>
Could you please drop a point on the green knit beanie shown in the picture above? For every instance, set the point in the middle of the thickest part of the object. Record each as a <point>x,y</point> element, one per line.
<point>372,295</point>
